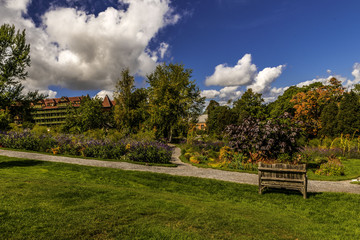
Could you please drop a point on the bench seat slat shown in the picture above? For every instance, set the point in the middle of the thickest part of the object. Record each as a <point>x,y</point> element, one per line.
<point>282,179</point>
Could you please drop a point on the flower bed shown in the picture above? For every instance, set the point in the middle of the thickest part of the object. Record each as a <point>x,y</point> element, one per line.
<point>79,145</point>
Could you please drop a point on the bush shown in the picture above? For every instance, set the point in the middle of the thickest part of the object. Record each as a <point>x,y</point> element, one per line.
<point>80,145</point>
<point>333,167</point>
<point>268,139</point>
<point>150,152</point>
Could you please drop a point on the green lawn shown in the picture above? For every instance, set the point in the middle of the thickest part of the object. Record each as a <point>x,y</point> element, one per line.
<point>352,171</point>
<point>44,200</point>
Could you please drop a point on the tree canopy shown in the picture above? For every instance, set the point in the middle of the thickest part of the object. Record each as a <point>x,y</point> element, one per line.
<point>14,59</point>
<point>249,105</point>
<point>173,99</point>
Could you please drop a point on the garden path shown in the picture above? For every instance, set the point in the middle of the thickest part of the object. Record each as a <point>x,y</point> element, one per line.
<point>184,169</point>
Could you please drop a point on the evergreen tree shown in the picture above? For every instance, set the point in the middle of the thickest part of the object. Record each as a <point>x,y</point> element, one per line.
<point>218,118</point>
<point>122,96</point>
<point>349,114</point>
<point>249,105</point>
<point>328,120</point>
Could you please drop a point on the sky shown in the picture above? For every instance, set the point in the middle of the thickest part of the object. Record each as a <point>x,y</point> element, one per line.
<point>79,47</point>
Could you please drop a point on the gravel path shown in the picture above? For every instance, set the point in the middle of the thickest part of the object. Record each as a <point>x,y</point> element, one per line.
<point>184,169</point>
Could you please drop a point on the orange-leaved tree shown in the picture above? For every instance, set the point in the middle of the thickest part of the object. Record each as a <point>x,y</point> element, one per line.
<point>309,104</point>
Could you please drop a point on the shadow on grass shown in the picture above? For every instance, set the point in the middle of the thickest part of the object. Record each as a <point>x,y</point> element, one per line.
<point>23,163</point>
<point>289,192</point>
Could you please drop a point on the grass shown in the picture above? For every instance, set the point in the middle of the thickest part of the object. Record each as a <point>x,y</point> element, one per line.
<point>101,159</point>
<point>352,170</point>
<point>45,200</point>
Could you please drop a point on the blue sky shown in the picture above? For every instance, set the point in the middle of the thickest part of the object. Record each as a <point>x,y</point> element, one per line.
<point>80,47</point>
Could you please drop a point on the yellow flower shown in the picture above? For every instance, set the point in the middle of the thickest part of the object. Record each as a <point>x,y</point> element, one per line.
<point>128,146</point>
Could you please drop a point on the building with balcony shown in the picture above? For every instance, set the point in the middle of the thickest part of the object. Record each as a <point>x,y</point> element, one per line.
<point>53,111</point>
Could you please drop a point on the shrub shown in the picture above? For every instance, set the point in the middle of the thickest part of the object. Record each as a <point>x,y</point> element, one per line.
<point>268,138</point>
<point>80,145</point>
<point>150,152</point>
<point>333,167</point>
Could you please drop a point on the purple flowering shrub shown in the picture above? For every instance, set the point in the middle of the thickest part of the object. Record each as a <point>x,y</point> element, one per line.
<point>268,140</point>
<point>79,145</point>
<point>149,152</point>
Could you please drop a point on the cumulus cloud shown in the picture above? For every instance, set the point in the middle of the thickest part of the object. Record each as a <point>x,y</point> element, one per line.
<point>265,78</point>
<point>356,73</point>
<point>224,93</point>
<point>77,50</point>
<point>103,93</point>
<point>241,74</point>
<point>230,93</point>
<point>244,73</point>
<point>210,93</point>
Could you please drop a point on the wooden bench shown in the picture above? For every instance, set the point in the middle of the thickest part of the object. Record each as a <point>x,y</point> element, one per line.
<point>281,175</point>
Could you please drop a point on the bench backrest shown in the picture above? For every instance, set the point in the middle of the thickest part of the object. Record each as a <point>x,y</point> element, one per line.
<point>281,170</point>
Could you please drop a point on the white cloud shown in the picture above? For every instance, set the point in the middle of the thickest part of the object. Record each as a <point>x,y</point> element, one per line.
<point>76,50</point>
<point>225,93</point>
<point>356,73</point>
<point>50,93</point>
<point>265,78</point>
<point>103,93</point>
<point>17,4</point>
<point>210,93</point>
<point>241,74</point>
<point>230,93</point>
<point>244,73</point>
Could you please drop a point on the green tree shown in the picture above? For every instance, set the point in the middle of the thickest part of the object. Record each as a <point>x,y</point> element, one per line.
<point>14,59</point>
<point>249,105</point>
<point>283,104</point>
<point>218,118</point>
<point>309,104</point>
<point>348,118</point>
<point>212,105</point>
<point>131,109</point>
<point>174,99</point>
<point>122,96</point>
<point>328,120</point>
<point>90,115</point>
<point>139,109</point>
<point>4,119</point>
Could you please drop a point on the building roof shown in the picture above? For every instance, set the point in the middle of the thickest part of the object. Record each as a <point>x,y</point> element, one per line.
<point>53,103</point>
<point>107,103</point>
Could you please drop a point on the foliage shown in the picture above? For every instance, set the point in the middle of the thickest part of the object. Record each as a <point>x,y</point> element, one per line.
<point>333,167</point>
<point>90,115</point>
<point>122,96</point>
<point>249,105</point>
<point>131,109</point>
<point>149,152</point>
<point>218,118</point>
<point>80,145</point>
<point>14,58</point>
<point>226,154</point>
<point>283,104</point>
<point>309,105</point>
<point>328,120</point>
<point>4,119</point>
<point>264,139</point>
<point>174,99</point>
<point>348,118</point>
<point>212,105</point>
